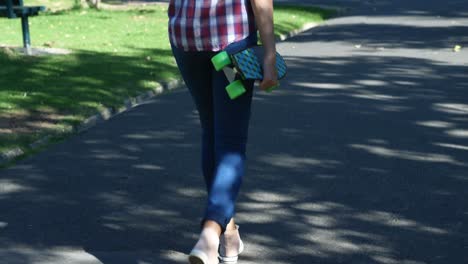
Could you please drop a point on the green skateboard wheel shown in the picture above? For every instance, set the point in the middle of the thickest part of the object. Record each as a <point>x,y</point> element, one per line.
<point>235,89</point>
<point>221,60</point>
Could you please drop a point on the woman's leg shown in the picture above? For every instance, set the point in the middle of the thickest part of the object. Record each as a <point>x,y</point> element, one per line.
<point>193,68</point>
<point>224,135</point>
<point>231,122</point>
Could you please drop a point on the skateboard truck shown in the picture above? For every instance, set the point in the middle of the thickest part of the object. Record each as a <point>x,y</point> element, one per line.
<point>223,61</point>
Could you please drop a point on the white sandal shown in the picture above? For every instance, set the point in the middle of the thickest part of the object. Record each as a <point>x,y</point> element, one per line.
<point>222,249</point>
<point>198,257</point>
<point>201,253</point>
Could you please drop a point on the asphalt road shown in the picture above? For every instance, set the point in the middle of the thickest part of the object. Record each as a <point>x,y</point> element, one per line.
<point>360,157</point>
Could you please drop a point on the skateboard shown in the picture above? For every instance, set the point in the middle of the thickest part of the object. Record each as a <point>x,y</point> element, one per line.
<point>245,64</point>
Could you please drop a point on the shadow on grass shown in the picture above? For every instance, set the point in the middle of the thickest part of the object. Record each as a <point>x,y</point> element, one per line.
<point>64,90</point>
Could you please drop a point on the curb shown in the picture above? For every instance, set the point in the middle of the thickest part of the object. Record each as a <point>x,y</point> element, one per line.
<point>99,117</point>
<point>9,155</point>
<point>296,32</point>
<point>129,103</point>
<point>308,26</point>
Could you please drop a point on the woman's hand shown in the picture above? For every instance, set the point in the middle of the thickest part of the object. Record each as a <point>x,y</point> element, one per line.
<point>263,11</point>
<point>270,73</point>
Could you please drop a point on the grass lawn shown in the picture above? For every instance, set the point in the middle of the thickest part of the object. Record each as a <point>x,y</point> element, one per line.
<point>116,54</point>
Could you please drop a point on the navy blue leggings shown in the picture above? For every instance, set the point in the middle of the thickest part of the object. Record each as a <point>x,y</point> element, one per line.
<point>224,124</point>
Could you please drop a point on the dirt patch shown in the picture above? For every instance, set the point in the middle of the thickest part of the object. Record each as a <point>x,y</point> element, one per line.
<point>45,51</point>
<point>11,51</point>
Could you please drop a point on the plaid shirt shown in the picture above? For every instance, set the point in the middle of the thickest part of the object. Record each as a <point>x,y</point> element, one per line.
<point>209,25</point>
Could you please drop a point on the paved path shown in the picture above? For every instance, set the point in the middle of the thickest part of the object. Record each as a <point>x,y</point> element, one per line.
<point>361,157</point>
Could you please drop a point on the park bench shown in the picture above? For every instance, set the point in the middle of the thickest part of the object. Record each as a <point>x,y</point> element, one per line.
<point>16,9</point>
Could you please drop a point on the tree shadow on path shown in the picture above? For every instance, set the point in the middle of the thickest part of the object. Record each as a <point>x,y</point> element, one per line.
<point>367,167</point>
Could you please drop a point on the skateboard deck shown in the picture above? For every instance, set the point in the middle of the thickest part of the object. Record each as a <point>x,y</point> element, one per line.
<point>247,64</point>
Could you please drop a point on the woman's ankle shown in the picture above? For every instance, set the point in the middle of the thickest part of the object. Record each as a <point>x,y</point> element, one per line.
<point>230,243</point>
<point>231,225</point>
<point>212,225</point>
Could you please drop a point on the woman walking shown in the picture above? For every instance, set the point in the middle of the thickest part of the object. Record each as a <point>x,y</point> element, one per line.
<point>198,29</point>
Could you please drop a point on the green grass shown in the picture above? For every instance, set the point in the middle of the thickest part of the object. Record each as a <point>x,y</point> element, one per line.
<point>116,55</point>
<point>288,18</point>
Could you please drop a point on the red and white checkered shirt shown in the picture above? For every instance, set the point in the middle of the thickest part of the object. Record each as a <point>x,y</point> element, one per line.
<point>209,25</point>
